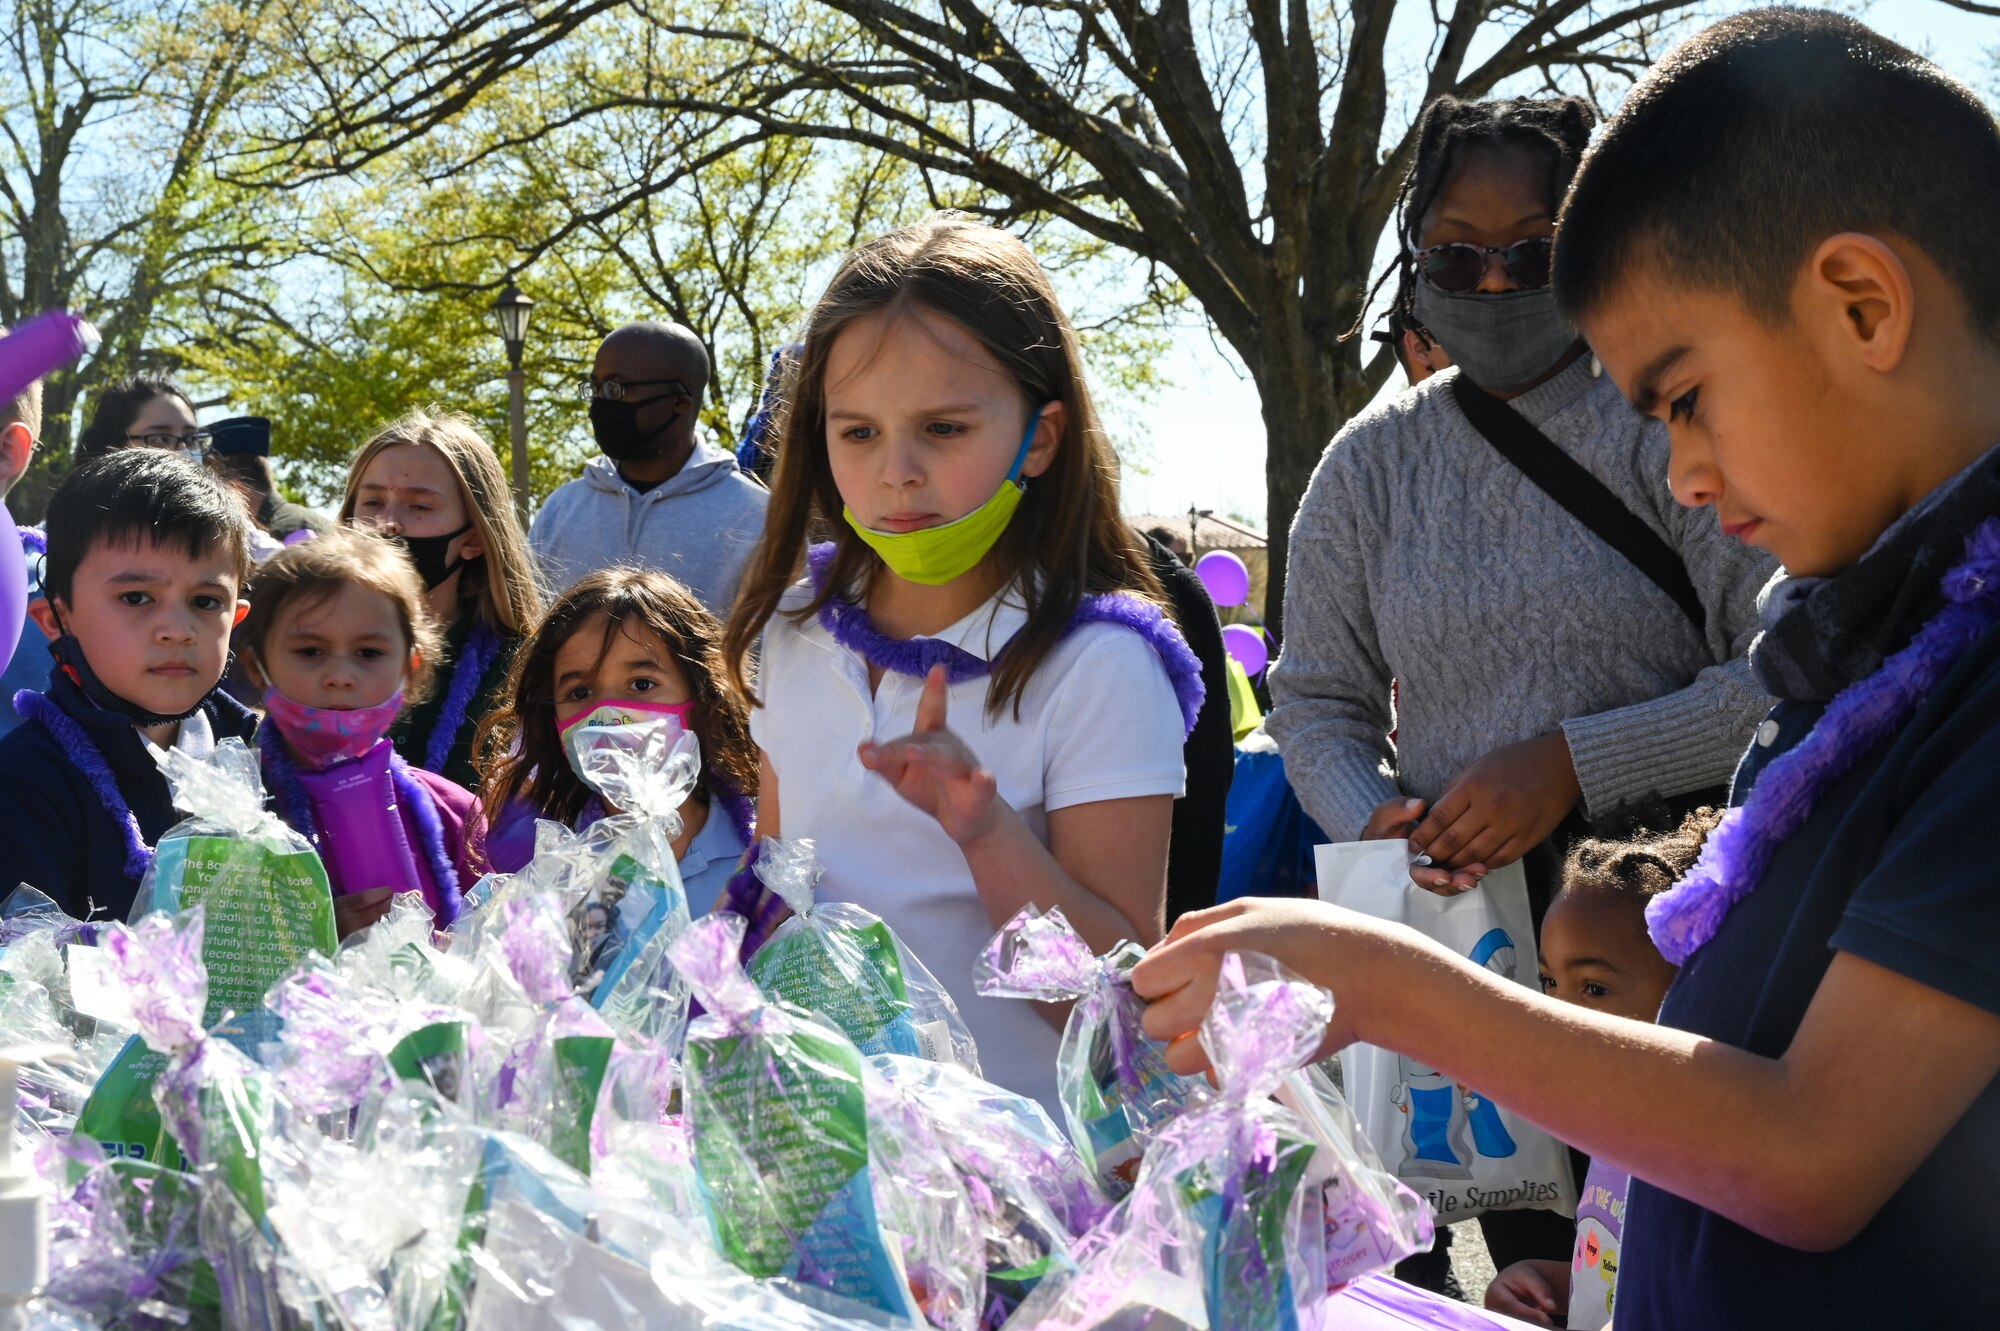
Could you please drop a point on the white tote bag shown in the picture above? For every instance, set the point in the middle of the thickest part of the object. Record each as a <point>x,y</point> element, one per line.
<point>1444,1139</point>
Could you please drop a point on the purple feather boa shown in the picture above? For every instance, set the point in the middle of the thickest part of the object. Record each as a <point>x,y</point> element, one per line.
<point>74,741</point>
<point>482,649</point>
<point>916,657</point>
<point>295,807</point>
<point>34,541</point>
<point>1859,720</point>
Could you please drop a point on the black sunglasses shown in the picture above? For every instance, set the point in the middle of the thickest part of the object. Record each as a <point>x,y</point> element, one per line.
<point>1459,267</point>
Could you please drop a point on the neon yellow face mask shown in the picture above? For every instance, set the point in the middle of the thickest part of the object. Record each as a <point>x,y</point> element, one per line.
<point>934,556</point>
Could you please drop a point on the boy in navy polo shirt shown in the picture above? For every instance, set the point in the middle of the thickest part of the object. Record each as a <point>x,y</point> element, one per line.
<point>147,554</point>
<point>1784,246</point>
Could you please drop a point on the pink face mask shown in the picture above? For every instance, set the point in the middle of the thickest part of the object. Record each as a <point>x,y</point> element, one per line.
<point>613,714</point>
<point>323,736</point>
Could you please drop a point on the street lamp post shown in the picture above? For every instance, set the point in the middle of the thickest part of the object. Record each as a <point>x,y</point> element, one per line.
<point>510,320</point>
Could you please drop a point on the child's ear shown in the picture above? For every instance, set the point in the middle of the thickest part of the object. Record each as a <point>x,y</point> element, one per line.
<point>242,613</point>
<point>469,546</point>
<point>253,669</point>
<point>1866,284</point>
<point>1048,436</point>
<point>43,611</point>
<point>17,449</point>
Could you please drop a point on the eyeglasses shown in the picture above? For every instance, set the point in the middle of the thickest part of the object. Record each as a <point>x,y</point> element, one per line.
<point>1459,267</point>
<point>194,443</point>
<point>613,390</point>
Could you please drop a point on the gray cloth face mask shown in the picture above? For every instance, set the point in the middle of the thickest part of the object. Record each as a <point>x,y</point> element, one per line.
<point>1502,340</point>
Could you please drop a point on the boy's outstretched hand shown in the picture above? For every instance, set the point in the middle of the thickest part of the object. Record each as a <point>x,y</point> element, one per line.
<point>1178,978</point>
<point>1536,1290</point>
<point>934,770</point>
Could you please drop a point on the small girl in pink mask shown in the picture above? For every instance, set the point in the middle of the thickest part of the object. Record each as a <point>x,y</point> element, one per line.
<point>338,642</point>
<point>623,646</point>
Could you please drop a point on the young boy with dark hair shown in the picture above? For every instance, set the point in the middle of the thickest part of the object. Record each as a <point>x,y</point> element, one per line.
<point>1780,247</point>
<point>147,552</point>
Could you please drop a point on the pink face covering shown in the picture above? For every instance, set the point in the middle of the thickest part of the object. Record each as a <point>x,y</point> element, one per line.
<point>323,736</point>
<point>612,714</point>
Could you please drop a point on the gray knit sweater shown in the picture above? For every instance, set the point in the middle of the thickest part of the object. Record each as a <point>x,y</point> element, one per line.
<point>1421,555</point>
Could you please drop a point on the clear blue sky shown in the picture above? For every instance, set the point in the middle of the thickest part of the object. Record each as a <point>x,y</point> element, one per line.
<point>1201,441</point>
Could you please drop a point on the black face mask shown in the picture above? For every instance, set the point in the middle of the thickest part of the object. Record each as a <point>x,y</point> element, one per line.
<point>69,655</point>
<point>615,425</point>
<point>428,553</point>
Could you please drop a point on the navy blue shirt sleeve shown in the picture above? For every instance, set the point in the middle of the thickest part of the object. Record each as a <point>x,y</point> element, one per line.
<point>1929,909</point>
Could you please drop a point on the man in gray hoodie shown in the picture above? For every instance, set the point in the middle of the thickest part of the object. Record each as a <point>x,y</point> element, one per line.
<point>658,498</point>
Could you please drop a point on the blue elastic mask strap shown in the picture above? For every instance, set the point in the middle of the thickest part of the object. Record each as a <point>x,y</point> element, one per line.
<point>1027,442</point>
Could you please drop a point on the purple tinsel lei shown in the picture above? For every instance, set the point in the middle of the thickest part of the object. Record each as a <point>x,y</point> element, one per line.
<point>1859,720</point>
<point>482,649</point>
<point>917,657</point>
<point>83,752</point>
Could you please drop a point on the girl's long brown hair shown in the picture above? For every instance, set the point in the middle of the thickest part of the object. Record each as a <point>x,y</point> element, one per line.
<point>500,586</point>
<point>1066,539</point>
<point>520,751</point>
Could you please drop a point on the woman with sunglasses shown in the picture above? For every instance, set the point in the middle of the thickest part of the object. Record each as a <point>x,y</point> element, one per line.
<point>142,411</point>
<point>1546,685</point>
<point>659,497</point>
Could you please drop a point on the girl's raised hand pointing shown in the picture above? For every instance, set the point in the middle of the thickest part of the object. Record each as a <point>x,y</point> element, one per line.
<point>934,770</point>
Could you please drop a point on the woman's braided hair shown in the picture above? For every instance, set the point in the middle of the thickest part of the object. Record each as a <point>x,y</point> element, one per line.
<point>1558,127</point>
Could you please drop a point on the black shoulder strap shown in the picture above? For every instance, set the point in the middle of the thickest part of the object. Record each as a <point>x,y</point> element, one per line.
<point>1584,497</point>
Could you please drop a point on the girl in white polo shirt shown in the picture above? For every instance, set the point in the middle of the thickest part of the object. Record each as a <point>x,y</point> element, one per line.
<point>973,701</point>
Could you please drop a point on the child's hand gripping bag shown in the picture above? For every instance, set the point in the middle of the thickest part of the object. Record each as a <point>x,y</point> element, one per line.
<point>1227,1226</point>
<point>848,967</point>
<point>631,904</point>
<point>1031,1196</point>
<point>803,1180</point>
<point>1464,1153</point>
<point>1115,1086</point>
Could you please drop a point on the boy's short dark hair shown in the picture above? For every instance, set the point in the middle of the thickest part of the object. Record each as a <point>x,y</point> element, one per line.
<point>136,493</point>
<point>1758,138</point>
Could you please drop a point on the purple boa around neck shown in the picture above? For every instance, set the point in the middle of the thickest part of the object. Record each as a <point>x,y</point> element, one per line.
<point>74,741</point>
<point>1859,719</point>
<point>916,657</point>
<point>34,541</point>
<point>295,807</point>
<point>482,649</point>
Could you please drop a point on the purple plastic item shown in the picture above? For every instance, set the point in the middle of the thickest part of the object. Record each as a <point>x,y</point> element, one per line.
<point>40,346</point>
<point>1380,1301</point>
<point>361,829</point>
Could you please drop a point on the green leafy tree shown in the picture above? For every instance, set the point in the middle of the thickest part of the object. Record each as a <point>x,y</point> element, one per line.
<point>110,114</point>
<point>1249,150</point>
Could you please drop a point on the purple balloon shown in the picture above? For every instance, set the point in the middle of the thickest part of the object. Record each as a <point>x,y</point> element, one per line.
<point>1228,582</point>
<point>1247,646</point>
<point>13,587</point>
<point>40,346</point>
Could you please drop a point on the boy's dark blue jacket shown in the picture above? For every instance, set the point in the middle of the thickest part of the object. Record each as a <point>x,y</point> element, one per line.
<point>55,833</point>
<point>1892,866</point>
